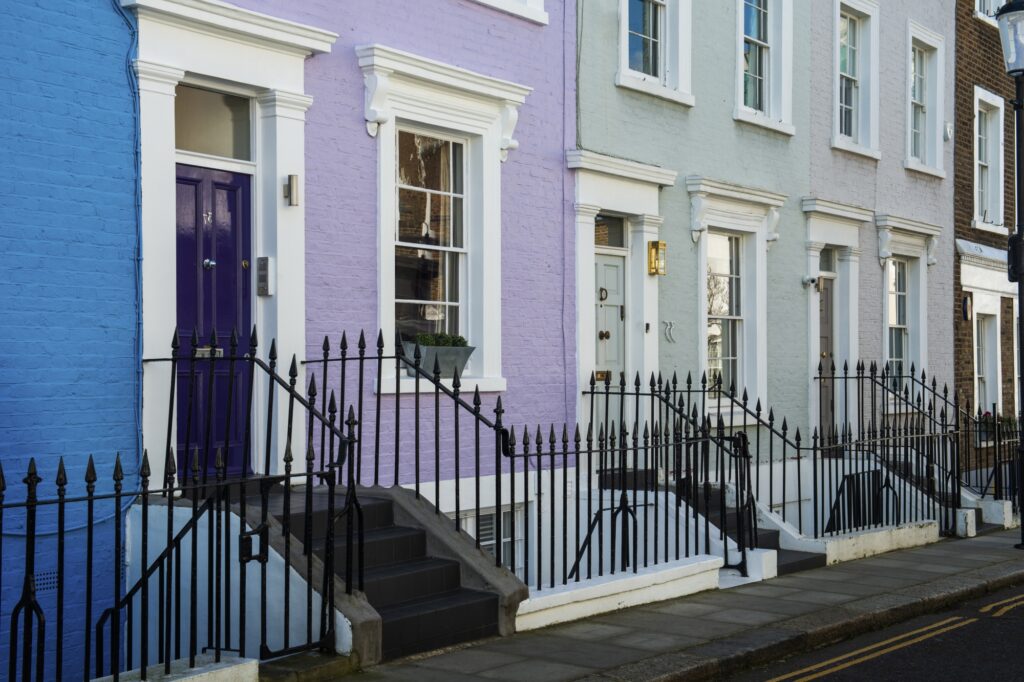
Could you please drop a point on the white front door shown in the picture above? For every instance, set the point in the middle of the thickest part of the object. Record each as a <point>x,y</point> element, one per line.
<point>610,280</point>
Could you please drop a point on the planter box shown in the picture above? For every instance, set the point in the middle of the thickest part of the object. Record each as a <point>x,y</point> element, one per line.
<point>449,358</point>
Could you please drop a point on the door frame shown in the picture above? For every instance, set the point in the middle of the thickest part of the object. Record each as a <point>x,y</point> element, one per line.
<point>606,184</point>
<point>243,52</point>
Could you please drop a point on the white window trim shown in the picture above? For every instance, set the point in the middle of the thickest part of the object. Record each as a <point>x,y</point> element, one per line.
<point>996,166</point>
<point>403,88</point>
<point>917,243</point>
<point>676,83</point>
<point>531,10</point>
<point>934,102</point>
<point>754,214</point>
<point>265,56</point>
<point>779,116</point>
<point>987,303</point>
<point>981,16</point>
<point>869,105</point>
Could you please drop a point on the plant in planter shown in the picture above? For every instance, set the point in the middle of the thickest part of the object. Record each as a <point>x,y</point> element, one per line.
<point>450,351</point>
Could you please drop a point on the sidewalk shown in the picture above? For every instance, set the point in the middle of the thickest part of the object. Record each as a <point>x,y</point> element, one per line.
<point>713,634</point>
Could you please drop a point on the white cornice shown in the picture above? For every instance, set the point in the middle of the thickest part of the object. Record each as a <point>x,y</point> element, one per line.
<point>835,209</point>
<point>387,71</point>
<point>887,221</point>
<point>583,159</point>
<point>250,26</point>
<point>381,59</point>
<point>697,184</point>
<point>980,255</point>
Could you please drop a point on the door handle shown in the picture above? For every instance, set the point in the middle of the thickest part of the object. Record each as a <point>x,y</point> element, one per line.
<point>603,335</point>
<point>209,264</point>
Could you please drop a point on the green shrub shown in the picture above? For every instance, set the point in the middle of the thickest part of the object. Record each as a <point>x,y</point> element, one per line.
<point>441,340</point>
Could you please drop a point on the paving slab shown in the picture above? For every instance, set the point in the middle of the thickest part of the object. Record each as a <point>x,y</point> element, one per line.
<point>713,634</point>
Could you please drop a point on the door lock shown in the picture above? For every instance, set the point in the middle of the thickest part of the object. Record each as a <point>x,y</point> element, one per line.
<point>603,335</point>
<point>209,264</point>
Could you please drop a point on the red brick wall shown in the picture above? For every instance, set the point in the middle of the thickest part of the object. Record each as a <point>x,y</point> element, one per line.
<point>979,61</point>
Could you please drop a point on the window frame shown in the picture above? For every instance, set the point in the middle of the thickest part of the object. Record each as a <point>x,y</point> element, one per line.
<point>994,106</point>
<point>932,47</point>
<point>866,142</point>
<point>531,10</point>
<point>464,302</point>
<point>752,215</point>
<point>778,112</point>
<point>903,327</point>
<point>674,83</point>
<point>468,524</point>
<point>982,15</point>
<point>735,319</point>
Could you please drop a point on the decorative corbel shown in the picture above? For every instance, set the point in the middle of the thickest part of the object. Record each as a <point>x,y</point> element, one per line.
<point>698,225</point>
<point>378,86</point>
<point>884,249</point>
<point>509,118</point>
<point>933,245</point>
<point>772,233</point>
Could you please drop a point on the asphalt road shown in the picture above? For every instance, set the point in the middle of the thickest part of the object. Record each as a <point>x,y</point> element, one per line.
<point>982,639</point>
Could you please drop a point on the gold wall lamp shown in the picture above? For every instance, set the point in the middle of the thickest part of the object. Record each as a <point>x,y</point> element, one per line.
<point>657,252</point>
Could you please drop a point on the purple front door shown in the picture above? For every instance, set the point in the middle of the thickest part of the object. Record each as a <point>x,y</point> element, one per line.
<point>214,290</point>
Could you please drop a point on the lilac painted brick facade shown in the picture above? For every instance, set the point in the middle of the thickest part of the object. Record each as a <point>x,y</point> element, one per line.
<point>538,302</point>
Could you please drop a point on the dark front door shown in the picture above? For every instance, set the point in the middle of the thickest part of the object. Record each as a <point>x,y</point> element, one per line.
<point>214,289</point>
<point>826,343</point>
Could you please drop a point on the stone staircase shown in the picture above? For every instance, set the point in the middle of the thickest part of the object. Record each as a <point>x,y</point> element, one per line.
<point>421,600</point>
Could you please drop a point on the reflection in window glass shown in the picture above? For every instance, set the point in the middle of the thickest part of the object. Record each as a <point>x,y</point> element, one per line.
<point>212,123</point>
<point>430,251</point>
<point>755,54</point>
<point>610,231</point>
<point>724,316</point>
<point>849,75</point>
<point>898,332</point>
<point>646,19</point>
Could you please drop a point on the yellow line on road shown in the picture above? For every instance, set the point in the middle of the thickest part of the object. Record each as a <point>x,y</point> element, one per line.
<point>858,652</point>
<point>989,607</point>
<point>1009,607</point>
<point>882,652</point>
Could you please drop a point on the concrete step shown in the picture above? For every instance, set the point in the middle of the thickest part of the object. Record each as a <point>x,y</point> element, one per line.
<point>397,583</point>
<point>438,621</point>
<point>382,547</point>
<point>792,561</point>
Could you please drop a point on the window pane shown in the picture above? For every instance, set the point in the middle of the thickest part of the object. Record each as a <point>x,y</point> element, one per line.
<point>211,123</point>
<point>719,254</point>
<point>426,318</point>
<point>645,36</point>
<point>755,13</point>
<point>424,162</point>
<point>609,231</point>
<point>424,274</point>
<point>425,218</point>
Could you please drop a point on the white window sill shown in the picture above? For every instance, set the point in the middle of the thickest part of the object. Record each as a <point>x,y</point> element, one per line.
<point>986,19</point>
<point>978,224</point>
<point>655,88</point>
<point>918,167</point>
<point>518,8</point>
<point>847,145</point>
<point>756,118</point>
<point>407,385</point>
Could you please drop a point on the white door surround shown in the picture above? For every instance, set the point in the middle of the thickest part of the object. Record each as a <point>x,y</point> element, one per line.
<point>983,275</point>
<point>839,226</point>
<point>212,43</point>
<point>630,189</point>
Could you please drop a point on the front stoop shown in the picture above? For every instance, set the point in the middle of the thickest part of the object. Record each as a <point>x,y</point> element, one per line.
<point>426,586</point>
<point>309,666</point>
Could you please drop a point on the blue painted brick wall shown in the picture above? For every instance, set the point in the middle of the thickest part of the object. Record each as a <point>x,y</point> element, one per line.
<point>67,276</point>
